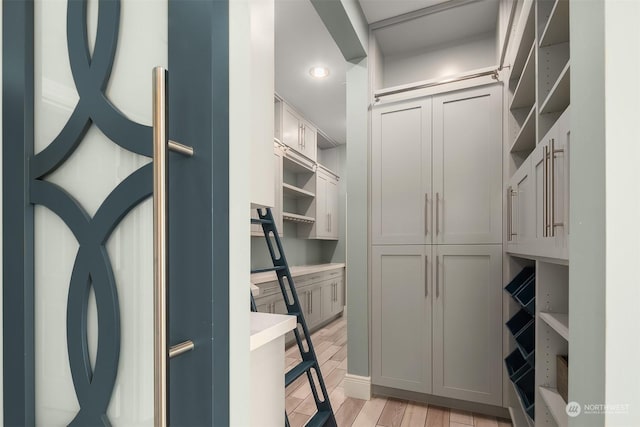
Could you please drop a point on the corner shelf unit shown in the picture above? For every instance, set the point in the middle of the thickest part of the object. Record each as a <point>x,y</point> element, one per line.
<point>539,327</point>
<point>298,189</point>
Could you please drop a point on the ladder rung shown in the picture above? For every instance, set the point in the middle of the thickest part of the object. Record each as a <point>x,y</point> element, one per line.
<point>318,419</point>
<point>297,370</point>
<point>264,270</point>
<point>261,221</point>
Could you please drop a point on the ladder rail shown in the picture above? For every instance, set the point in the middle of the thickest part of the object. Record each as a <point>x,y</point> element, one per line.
<point>324,414</point>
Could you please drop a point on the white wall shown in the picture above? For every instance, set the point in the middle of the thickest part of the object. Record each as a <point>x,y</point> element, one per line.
<point>1,255</point>
<point>239,196</point>
<point>622,110</point>
<point>444,60</point>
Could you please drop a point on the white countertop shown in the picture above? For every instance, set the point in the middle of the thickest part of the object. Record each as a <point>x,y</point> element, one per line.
<point>255,291</point>
<point>299,270</point>
<point>265,327</point>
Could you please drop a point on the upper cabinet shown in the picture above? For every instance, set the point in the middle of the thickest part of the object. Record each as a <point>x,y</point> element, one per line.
<point>326,225</point>
<point>437,169</point>
<point>297,133</point>
<point>401,196</point>
<point>467,166</point>
<point>537,194</point>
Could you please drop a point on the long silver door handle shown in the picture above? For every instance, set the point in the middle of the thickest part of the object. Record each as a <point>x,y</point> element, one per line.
<point>426,276</point>
<point>426,214</point>
<point>161,350</point>
<point>437,277</point>
<point>437,214</point>
<point>545,201</point>
<point>552,190</point>
<point>552,160</point>
<point>508,214</point>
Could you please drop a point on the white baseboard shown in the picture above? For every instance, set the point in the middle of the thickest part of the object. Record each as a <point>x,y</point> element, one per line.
<point>357,387</point>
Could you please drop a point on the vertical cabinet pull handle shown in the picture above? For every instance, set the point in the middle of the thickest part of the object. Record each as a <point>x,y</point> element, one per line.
<point>161,146</point>
<point>437,213</point>
<point>545,188</point>
<point>426,276</point>
<point>552,190</point>
<point>553,153</point>
<point>426,214</point>
<point>508,214</point>
<point>437,277</point>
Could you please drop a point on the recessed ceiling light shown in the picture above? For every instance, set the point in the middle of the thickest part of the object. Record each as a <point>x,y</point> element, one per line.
<point>319,72</point>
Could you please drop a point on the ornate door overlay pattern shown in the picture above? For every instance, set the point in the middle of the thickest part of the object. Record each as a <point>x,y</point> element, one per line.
<point>93,321</point>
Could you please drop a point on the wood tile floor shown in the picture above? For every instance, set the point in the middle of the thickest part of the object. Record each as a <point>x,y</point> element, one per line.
<point>331,348</point>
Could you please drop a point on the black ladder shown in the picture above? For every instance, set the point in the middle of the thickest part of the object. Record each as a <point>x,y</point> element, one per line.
<point>324,415</point>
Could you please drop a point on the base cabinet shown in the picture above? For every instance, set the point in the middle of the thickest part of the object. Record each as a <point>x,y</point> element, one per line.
<point>321,296</point>
<point>467,323</point>
<point>401,317</point>
<point>436,320</point>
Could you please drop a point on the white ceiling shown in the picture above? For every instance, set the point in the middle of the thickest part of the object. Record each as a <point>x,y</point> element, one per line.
<point>302,41</point>
<point>377,10</point>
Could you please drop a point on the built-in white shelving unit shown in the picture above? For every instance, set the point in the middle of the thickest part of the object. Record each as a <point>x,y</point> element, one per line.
<point>540,95</point>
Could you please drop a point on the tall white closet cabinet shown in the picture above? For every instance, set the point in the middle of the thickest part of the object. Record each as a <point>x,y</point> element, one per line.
<point>436,233</point>
<point>437,170</point>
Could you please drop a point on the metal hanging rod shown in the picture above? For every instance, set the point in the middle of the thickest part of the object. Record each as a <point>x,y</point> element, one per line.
<point>493,73</point>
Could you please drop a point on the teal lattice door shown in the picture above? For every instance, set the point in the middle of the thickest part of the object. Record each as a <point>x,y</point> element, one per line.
<point>79,218</point>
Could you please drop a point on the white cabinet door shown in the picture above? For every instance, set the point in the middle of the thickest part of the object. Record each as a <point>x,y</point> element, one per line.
<point>467,166</point>
<point>401,173</point>
<point>467,323</point>
<point>401,317</point>
<point>551,163</point>
<point>520,202</point>
<point>322,215</point>
<point>291,128</point>
<point>333,208</point>
<point>309,141</point>
<point>326,207</point>
<point>298,134</point>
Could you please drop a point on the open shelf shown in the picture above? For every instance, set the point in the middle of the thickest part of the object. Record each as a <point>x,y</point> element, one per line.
<point>527,39</point>
<point>525,93</point>
<point>559,95</point>
<point>296,192</point>
<point>526,138</point>
<point>556,405</point>
<point>294,164</point>
<point>557,28</point>
<point>559,322</point>
<point>288,216</point>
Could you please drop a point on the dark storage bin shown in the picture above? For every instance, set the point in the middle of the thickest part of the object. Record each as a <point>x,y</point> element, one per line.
<point>519,321</point>
<point>526,296</point>
<point>525,386</point>
<point>526,343</point>
<point>521,278</point>
<point>516,365</point>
